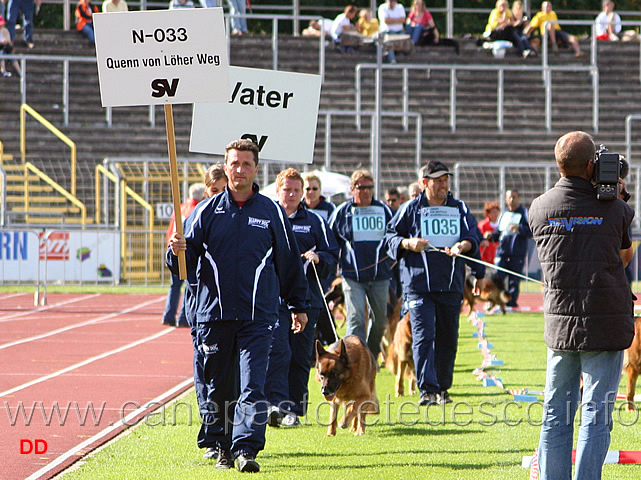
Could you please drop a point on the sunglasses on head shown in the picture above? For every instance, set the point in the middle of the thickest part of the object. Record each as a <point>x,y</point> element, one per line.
<point>311,188</point>
<point>364,187</point>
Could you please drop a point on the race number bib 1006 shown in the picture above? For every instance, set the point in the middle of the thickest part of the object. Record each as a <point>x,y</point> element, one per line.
<point>368,224</point>
<point>441,226</point>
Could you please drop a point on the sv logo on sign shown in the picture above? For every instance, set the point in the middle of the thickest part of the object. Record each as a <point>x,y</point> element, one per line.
<point>254,138</point>
<point>162,87</point>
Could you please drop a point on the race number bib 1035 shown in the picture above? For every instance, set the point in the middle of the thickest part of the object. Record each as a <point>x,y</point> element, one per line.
<point>441,226</point>
<point>368,224</point>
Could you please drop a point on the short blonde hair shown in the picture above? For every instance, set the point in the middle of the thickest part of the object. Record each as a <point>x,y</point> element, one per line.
<point>308,177</point>
<point>358,175</point>
<point>290,173</point>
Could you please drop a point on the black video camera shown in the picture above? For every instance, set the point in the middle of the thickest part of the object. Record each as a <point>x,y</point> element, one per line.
<point>607,171</point>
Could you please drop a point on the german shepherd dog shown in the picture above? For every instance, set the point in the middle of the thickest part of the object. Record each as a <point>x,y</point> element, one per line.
<point>632,365</point>
<point>400,359</point>
<point>347,374</point>
<point>335,298</point>
<point>492,290</point>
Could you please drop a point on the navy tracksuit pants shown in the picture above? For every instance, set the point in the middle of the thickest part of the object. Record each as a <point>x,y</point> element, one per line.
<point>231,368</point>
<point>290,360</point>
<point>434,318</point>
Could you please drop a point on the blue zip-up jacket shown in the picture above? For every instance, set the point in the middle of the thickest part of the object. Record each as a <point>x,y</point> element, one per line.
<point>362,257</point>
<point>313,233</point>
<point>324,208</point>
<point>244,259</point>
<point>513,244</point>
<point>430,271</point>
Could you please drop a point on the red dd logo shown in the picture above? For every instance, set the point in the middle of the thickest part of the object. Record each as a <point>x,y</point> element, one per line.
<point>38,446</point>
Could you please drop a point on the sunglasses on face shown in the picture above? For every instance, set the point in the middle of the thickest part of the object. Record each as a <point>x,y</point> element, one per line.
<point>311,188</point>
<point>364,187</point>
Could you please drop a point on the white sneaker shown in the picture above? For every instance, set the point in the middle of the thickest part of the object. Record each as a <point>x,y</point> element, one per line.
<point>290,420</point>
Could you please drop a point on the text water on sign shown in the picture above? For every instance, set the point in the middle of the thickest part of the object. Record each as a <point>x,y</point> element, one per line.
<point>441,226</point>
<point>162,57</point>
<point>368,224</point>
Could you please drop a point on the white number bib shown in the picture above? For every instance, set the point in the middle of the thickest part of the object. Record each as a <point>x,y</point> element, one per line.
<point>508,219</point>
<point>441,226</point>
<point>368,224</point>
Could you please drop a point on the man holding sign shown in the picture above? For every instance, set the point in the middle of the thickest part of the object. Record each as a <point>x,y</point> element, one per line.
<point>241,257</point>
<point>433,279</point>
<point>359,226</point>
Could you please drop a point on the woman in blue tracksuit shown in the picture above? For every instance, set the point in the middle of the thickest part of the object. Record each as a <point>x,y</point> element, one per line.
<point>433,281</point>
<point>291,355</point>
<point>245,256</point>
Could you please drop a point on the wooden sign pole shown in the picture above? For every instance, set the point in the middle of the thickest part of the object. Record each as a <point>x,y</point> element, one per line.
<point>175,188</point>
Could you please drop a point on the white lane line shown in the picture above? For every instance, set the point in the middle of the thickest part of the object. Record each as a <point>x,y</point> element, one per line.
<point>9,318</point>
<point>85,362</point>
<point>17,294</point>
<point>158,401</point>
<point>79,325</point>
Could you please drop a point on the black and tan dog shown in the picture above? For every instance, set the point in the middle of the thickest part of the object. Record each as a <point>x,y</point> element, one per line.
<point>632,365</point>
<point>400,359</point>
<point>347,374</point>
<point>491,290</point>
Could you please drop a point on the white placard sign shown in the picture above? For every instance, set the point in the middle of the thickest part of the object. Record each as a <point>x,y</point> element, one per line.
<point>162,57</point>
<point>277,110</point>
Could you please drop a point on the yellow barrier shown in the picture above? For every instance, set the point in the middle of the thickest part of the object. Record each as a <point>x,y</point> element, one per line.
<point>24,109</point>
<point>28,166</point>
<point>124,192</point>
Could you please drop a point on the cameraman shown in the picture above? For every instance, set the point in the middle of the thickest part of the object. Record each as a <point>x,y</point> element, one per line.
<point>583,244</point>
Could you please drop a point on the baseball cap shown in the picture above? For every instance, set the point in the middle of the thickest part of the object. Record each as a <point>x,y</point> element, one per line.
<point>436,169</point>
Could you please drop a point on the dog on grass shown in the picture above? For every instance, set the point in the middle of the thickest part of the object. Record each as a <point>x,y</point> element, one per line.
<point>491,290</point>
<point>632,365</point>
<point>400,359</point>
<point>346,372</point>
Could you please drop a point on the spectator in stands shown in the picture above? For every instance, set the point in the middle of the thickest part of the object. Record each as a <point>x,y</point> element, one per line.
<point>109,6</point>
<point>392,199</point>
<point>414,190</point>
<point>608,23</point>
<point>391,18</point>
<point>196,194</point>
<point>239,24</point>
<point>367,25</point>
<point>215,179</point>
<point>512,234</point>
<point>313,198</point>
<point>557,36</point>
<point>503,25</point>
<point>315,26</point>
<point>359,226</point>
<point>6,47</point>
<point>421,28</point>
<point>175,4</point>
<point>343,23</point>
<point>27,8</point>
<point>488,226</point>
<point>291,354</point>
<point>84,19</point>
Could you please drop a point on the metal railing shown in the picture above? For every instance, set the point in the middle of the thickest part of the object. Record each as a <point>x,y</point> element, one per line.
<point>405,115</point>
<point>26,109</point>
<point>29,167</point>
<point>453,68</point>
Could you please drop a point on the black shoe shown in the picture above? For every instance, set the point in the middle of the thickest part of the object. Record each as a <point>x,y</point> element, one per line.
<point>427,399</point>
<point>444,398</point>
<point>182,325</point>
<point>225,460</point>
<point>247,463</point>
<point>211,452</point>
<point>274,417</point>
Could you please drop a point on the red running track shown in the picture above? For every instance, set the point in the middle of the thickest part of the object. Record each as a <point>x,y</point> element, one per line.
<point>81,351</point>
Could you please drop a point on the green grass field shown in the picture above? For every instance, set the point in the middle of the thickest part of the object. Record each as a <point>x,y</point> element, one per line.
<point>482,435</point>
